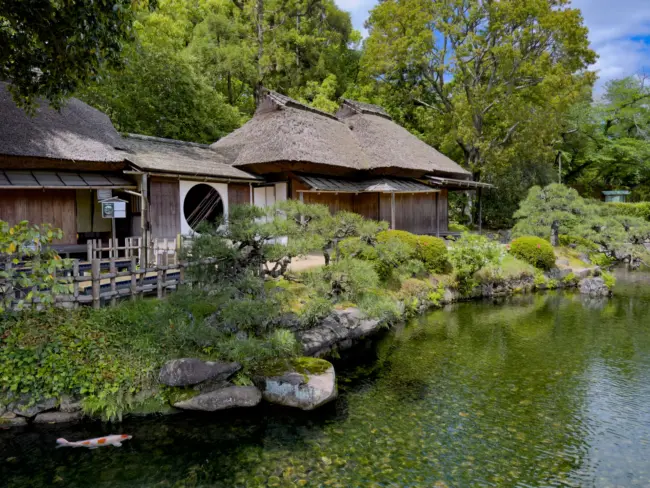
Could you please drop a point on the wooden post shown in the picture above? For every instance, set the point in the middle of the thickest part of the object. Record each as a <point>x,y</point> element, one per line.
<point>134,277</point>
<point>96,277</point>
<point>480,209</point>
<point>159,282</point>
<point>181,273</point>
<point>392,210</point>
<point>10,292</point>
<point>113,272</point>
<point>89,250</point>
<point>437,214</point>
<point>144,220</point>
<point>75,282</point>
<point>165,262</point>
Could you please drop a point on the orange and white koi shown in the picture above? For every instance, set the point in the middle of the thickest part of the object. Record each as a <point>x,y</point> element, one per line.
<point>109,440</point>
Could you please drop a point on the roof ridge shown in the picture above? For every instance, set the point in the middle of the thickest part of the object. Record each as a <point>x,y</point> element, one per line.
<point>366,108</point>
<point>164,140</point>
<point>286,101</point>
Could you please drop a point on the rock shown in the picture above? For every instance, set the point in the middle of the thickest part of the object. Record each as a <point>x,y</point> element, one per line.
<point>22,406</point>
<point>557,274</point>
<point>10,419</point>
<point>190,371</point>
<point>562,262</point>
<point>584,258</point>
<point>57,417</point>
<point>69,404</point>
<point>582,273</point>
<point>230,397</point>
<point>594,287</point>
<point>302,390</point>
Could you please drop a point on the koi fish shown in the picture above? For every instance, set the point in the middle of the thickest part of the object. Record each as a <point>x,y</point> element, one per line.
<point>110,440</point>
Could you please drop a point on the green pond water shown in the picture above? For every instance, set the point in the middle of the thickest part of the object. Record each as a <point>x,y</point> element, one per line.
<point>538,390</point>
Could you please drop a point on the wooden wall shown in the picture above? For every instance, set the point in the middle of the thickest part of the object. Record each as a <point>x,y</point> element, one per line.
<point>415,212</point>
<point>239,194</point>
<point>165,207</point>
<point>55,207</point>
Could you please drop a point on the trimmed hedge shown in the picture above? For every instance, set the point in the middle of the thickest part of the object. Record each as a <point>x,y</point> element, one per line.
<point>432,251</point>
<point>640,209</point>
<point>533,250</point>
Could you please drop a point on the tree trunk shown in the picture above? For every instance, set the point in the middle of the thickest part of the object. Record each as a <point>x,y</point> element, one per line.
<point>260,51</point>
<point>555,229</point>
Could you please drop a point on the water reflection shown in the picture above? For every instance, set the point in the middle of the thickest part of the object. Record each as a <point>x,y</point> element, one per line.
<point>536,390</point>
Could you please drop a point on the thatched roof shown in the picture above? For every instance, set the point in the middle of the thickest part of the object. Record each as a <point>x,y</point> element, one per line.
<point>360,137</point>
<point>284,130</point>
<point>390,146</point>
<point>77,132</point>
<point>179,157</point>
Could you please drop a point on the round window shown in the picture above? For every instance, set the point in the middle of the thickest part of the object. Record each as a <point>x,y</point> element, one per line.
<point>202,204</point>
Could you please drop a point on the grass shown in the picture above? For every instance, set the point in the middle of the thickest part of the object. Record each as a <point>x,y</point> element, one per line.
<point>510,268</point>
<point>571,255</point>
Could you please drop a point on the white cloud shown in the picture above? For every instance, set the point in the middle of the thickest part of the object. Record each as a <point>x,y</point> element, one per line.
<point>619,31</point>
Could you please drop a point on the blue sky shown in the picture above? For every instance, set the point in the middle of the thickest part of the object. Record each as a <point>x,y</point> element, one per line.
<point>619,31</point>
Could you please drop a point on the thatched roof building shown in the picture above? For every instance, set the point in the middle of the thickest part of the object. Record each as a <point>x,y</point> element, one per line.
<point>167,156</point>
<point>76,133</point>
<point>285,135</point>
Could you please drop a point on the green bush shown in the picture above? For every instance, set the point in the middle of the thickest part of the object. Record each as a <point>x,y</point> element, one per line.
<point>601,259</point>
<point>533,250</point>
<point>391,254</point>
<point>315,311</point>
<point>343,281</point>
<point>567,240</point>
<point>456,227</point>
<point>378,305</point>
<point>406,237</point>
<point>609,279</point>
<point>640,209</point>
<point>355,247</point>
<point>432,251</point>
<point>469,254</point>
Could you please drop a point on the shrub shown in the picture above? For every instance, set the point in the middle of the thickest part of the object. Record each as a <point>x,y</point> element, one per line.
<point>356,248</point>
<point>378,305</point>
<point>456,227</point>
<point>343,281</point>
<point>315,311</point>
<point>391,254</point>
<point>469,254</point>
<point>609,279</point>
<point>533,250</point>
<point>432,251</point>
<point>601,259</point>
<point>412,268</point>
<point>406,237</point>
<point>567,240</point>
<point>510,268</point>
<point>640,209</point>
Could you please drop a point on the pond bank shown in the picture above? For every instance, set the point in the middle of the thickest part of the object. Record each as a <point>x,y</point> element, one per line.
<point>210,386</point>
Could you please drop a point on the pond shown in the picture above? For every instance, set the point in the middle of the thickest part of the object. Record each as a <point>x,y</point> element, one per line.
<point>538,390</point>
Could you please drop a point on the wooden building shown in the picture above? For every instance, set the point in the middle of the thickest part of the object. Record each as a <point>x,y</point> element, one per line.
<point>57,165</point>
<point>358,160</point>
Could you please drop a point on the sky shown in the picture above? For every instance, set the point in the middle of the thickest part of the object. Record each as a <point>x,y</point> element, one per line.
<point>619,31</point>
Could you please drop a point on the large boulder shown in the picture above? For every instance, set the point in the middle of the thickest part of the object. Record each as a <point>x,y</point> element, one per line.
<point>24,406</point>
<point>57,417</point>
<point>310,384</point>
<point>229,397</point>
<point>594,287</point>
<point>190,371</point>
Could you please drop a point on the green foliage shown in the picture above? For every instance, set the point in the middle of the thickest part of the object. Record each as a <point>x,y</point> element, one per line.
<point>407,238</point>
<point>471,253</point>
<point>456,227</point>
<point>601,259</point>
<point>314,311</point>
<point>381,306</point>
<point>50,48</point>
<point>510,268</point>
<point>609,279</point>
<point>33,277</point>
<point>432,251</point>
<point>391,254</point>
<point>640,209</point>
<point>534,250</point>
<point>578,242</point>
<point>354,247</point>
<point>344,281</point>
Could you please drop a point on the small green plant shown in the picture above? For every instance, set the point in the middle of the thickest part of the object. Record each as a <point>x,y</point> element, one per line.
<point>456,227</point>
<point>314,311</point>
<point>601,259</point>
<point>609,279</point>
<point>378,305</point>
<point>533,250</point>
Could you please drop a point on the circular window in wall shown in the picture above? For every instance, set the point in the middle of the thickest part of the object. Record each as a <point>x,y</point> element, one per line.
<point>202,204</point>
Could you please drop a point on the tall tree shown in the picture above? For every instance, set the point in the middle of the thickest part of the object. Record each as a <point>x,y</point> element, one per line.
<point>49,48</point>
<point>607,143</point>
<point>491,78</point>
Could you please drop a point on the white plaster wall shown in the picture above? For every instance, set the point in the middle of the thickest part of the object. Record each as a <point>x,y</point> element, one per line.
<point>184,187</point>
